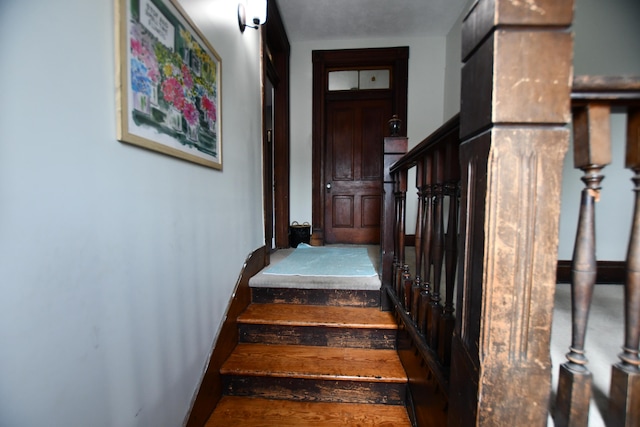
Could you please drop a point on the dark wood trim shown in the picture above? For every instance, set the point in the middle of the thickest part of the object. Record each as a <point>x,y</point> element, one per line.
<point>609,272</point>
<point>276,53</point>
<point>210,390</point>
<point>398,59</point>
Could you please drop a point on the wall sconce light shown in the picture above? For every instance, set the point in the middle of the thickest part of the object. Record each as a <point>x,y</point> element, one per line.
<point>255,10</point>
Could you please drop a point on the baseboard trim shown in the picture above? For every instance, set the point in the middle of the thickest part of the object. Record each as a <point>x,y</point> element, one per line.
<point>609,272</point>
<point>210,390</point>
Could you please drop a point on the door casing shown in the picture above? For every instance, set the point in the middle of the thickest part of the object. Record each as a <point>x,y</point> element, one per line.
<point>397,59</point>
<point>275,59</point>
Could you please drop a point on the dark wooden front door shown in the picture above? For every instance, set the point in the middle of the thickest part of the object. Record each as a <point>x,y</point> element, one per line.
<point>353,169</point>
<point>349,127</point>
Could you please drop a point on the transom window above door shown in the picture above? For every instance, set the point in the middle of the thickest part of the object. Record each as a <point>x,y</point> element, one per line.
<point>359,79</point>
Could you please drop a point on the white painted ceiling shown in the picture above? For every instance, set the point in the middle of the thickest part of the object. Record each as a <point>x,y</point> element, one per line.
<point>349,19</point>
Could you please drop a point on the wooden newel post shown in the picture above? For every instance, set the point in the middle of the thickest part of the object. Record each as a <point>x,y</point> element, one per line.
<point>394,149</point>
<point>515,105</point>
<point>624,403</point>
<point>592,151</point>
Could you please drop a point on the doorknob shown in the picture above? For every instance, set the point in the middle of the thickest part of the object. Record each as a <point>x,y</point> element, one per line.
<point>328,187</point>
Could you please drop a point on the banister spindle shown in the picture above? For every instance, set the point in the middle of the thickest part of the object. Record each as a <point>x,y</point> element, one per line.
<point>415,289</point>
<point>427,225</point>
<point>402,206</point>
<point>624,403</point>
<point>438,252</point>
<point>452,181</point>
<point>396,231</point>
<point>451,261</point>
<point>592,152</point>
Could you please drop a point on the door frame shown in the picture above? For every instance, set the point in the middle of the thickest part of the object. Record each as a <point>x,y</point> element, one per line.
<point>276,51</point>
<point>395,58</point>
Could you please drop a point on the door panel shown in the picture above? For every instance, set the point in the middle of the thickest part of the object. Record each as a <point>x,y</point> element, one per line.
<point>353,169</point>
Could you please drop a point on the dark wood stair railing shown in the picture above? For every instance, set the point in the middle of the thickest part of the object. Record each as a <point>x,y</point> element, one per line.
<point>416,296</point>
<point>427,323</point>
<point>592,101</point>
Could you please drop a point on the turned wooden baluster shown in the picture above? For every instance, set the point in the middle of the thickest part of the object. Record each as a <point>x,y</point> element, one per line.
<point>427,226</point>
<point>452,178</point>
<point>592,152</point>
<point>396,231</point>
<point>402,206</point>
<point>416,288</point>
<point>398,235</point>
<point>438,251</point>
<point>624,403</point>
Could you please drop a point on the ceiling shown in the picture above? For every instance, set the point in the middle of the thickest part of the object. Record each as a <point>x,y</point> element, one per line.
<point>307,20</point>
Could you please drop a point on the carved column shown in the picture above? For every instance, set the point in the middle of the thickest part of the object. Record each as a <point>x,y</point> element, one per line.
<point>516,84</point>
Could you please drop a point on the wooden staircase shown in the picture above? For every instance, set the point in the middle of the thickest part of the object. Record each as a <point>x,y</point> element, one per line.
<point>313,358</point>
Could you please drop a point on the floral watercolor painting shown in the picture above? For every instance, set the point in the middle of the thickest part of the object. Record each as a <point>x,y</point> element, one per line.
<point>169,81</point>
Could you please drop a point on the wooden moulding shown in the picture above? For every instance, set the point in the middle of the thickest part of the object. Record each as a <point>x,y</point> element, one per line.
<point>210,390</point>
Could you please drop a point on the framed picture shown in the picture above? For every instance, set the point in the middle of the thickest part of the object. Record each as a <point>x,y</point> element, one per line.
<point>168,82</point>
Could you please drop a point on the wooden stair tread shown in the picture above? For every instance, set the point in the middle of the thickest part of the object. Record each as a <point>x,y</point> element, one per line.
<point>256,412</point>
<point>312,362</point>
<point>316,315</point>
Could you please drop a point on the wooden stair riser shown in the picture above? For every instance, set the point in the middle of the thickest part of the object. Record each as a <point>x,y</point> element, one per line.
<point>318,336</point>
<point>329,297</point>
<point>313,390</point>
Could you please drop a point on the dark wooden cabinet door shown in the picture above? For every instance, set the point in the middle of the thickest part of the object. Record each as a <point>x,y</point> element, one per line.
<point>353,170</point>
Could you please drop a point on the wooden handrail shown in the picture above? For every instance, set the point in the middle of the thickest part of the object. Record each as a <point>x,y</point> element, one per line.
<point>425,312</point>
<point>447,132</point>
<point>614,90</point>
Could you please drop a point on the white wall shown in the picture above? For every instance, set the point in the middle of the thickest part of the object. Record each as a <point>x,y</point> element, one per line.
<point>426,97</point>
<point>116,263</point>
<point>607,42</point>
<point>454,66</point>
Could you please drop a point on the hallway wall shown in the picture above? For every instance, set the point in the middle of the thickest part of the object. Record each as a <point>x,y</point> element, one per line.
<point>116,263</point>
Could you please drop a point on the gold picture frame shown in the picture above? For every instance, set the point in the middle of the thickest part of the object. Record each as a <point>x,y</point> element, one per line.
<point>168,79</point>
